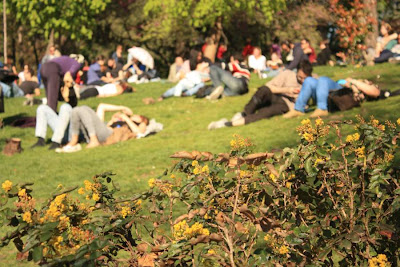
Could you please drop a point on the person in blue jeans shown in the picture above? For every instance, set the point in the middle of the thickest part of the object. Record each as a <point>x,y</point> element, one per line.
<point>318,89</point>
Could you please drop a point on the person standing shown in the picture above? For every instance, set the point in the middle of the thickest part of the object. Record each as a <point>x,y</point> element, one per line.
<point>56,72</point>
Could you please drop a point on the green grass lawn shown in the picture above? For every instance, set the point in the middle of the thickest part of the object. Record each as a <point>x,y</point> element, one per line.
<point>185,128</point>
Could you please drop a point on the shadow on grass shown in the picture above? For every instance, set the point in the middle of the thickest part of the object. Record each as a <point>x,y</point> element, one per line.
<point>9,120</point>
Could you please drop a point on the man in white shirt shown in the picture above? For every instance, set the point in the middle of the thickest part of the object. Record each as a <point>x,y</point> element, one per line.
<point>257,61</point>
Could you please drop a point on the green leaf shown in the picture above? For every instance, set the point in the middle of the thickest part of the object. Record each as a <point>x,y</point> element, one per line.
<point>37,253</point>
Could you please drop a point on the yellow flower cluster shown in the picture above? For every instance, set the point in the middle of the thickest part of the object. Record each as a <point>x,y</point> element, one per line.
<point>352,138</point>
<point>211,252</point>
<point>319,122</point>
<point>318,161</point>
<point>22,192</point>
<point>239,143</point>
<point>152,182</point>
<point>388,157</point>
<point>398,121</point>
<point>198,169</point>
<point>93,187</point>
<point>308,137</point>
<point>56,208</point>
<point>379,261</point>
<point>273,177</point>
<point>375,123</point>
<point>182,230</point>
<point>7,185</point>
<point>276,245</point>
<point>360,152</point>
<point>306,122</point>
<point>125,211</point>
<point>283,249</point>
<point>27,217</point>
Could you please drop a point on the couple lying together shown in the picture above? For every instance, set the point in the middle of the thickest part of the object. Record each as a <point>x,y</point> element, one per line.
<point>83,121</point>
<point>289,93</point>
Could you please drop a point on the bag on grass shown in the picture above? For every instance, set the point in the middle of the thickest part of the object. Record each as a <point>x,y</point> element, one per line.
<point>341,100</point>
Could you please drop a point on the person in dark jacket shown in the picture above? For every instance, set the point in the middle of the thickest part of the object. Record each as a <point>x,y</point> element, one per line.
<point>298,56</point>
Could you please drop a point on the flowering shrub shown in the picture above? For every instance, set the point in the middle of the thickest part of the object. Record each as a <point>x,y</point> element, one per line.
<point>353,24</point>
<point>333,200</point>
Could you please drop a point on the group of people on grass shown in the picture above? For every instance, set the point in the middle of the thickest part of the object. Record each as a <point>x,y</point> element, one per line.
<point>70,78</point>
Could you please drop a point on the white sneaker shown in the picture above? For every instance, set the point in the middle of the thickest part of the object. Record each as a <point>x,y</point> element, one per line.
<point>69,149</point>
<point>217,124</point>
<point>237,116</point>
<point>216,93</point>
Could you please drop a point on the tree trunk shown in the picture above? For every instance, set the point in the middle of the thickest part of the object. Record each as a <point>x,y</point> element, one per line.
<point>5,30</point>
<point>371,8</point>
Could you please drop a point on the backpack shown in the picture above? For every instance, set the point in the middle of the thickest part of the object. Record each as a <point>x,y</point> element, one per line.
<point>342,99</point>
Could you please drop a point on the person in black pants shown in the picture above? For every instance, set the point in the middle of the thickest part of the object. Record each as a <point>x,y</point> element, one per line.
<point>275,98</point>
<point>55,73</point>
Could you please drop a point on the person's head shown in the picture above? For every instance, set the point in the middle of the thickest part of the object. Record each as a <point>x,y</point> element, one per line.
<point>29,73</point>
<point>179,61</point>
<point>111,63</point>
<point>305,43</point>
<point>10,60</point>
<point>52,50</point>
<point>386,29</point>
<point>126,87</point>
<point>100,59</point>
<point>304,70</point>
<point>26,68</point>
<point>119,48</point>
<point>140,119</point>
<point>237,57</point>
<point>285,45</point>
<point>257,51</point>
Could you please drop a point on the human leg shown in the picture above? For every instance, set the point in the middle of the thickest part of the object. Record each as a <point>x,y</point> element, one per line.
<point>307,91</point>
<point>89,92</point>
<point>52,81</point>
<point>324,86</point>
<point>277,106</point>
<point>193,90</point>
<point>87,117</point>
<point>261,98</point>
<point>61,125</point>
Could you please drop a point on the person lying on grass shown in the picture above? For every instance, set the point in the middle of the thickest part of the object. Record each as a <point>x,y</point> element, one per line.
<point>193,81</point>
<point>319,90</point>
<point>123,125</point>
<point>107,90</point>
<point>276,97</point>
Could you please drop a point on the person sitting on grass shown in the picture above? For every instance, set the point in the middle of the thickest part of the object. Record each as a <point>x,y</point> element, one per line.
<point>123,125</point>
<point>229,83</point>
<point>192,82</point>
<point>46,116</point>
<point>275,98</point>
<point>107,90</point>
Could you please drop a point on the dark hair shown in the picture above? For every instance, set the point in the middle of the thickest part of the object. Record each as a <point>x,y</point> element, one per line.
<point>286,43</point>
<point>193,58</point>
<point>306,67</point>
<point>305,39</point>
<point>100,57</point>
<point>238,56</point>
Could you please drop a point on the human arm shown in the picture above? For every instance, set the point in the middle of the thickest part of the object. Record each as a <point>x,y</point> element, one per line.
<point>103,108</point>
<point>366,88</point>
<point>297,56</point>
<point>141,128</point>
